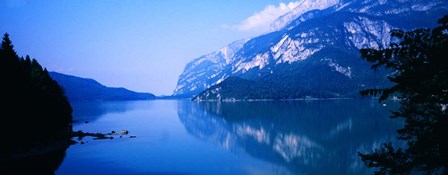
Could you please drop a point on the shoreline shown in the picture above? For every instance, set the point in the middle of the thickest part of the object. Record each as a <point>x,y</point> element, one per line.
<point>261,100</point>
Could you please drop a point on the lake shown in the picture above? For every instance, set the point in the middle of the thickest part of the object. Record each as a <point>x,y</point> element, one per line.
<point>184,137</point>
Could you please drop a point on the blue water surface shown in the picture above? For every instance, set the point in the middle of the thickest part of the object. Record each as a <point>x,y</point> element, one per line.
<point>271,137</point>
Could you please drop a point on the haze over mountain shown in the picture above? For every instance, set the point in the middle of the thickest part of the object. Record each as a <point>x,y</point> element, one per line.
<point>86,89</point>
<point>312,51</point>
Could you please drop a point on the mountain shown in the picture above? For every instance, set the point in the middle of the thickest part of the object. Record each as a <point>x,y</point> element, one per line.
<point>234,88</point>
<point>206,70</point>
<point>85,89</point>
<point>303,7</point>
<point>316,53</point>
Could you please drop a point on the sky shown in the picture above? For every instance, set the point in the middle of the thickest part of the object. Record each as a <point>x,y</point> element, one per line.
<point>142,45</point>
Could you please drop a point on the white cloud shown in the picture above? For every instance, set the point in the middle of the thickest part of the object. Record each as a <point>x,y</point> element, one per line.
<point>261,20</point>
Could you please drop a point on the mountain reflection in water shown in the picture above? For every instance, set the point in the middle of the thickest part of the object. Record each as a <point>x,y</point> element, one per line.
<point>310,137</point>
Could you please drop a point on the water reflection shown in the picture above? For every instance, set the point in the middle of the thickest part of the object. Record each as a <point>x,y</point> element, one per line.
<point>310,137</point>
<point>39,163</point>
<point>47,159</point>
<point>93,110</point>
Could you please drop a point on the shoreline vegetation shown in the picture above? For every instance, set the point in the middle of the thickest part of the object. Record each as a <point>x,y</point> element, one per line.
<point>419,65</point>
<point>36,116</point>
<point>35,111</point>
<point>257,100</point>
<point>286,99</point>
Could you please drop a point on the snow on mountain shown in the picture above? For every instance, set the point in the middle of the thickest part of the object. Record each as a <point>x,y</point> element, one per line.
<point>360,30</point>
<point>206,70</point>
<point>319,39</point>
<point>389,7</point>
<point>302,43</point>
<point>367,33</point>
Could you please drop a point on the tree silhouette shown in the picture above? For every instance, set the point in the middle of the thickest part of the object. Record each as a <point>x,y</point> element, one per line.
<point>34,110</point>
<point>419,63</point>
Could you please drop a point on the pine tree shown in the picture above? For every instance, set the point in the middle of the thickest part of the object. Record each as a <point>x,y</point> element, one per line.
<point>420,75</point>
<point>8,48</point>
<point>34,109</point>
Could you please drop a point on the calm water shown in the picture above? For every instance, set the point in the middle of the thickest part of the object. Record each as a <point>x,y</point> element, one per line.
<point>183,137</point>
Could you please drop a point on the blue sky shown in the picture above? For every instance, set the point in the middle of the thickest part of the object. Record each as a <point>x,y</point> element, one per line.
<point>142,45</point>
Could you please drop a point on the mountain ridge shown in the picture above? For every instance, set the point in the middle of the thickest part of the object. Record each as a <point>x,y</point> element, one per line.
<point>324,44</point>
<point>211,64</point>
<point>87,89</point>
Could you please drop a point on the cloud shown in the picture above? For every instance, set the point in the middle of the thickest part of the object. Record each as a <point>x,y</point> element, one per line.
<point>261,20</point>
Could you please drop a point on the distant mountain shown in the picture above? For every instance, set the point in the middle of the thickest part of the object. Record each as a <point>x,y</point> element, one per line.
<point>205,71</point>
<point>85,89</point>
<point>313,51</point>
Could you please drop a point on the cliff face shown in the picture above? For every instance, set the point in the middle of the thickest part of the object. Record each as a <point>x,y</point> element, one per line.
<point>317,53</point>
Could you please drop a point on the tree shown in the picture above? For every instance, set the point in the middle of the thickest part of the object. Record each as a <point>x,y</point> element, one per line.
<point>8,48</point>
<point>34,110</point>
<point>419,63</point>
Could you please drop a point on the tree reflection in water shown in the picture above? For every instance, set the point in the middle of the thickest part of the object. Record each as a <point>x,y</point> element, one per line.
<point>40,162</point>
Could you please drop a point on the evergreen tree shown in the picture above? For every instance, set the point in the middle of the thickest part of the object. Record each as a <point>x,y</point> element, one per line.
<point>419,62</point>
<point>8,49</point>
<point>34,110</point>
